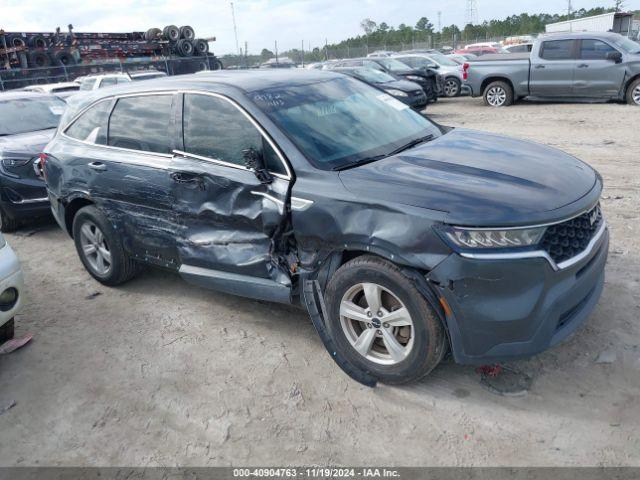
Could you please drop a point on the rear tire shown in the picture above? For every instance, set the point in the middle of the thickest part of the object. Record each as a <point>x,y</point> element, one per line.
<point>187,33</point>
<point>7,223</point>
<point>365,333</point>
<point>498,94</point>
<point>171,33</point>
<point>633,93</point>
<point>7,331</point>
<point>91,228</point>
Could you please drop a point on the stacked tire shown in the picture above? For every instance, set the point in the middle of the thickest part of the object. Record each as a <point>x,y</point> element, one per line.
<point>182,39</point>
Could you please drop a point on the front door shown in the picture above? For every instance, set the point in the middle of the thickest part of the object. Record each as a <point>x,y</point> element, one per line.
<point>595,76</point>
<point>553,69</point>
<point>231,224</point>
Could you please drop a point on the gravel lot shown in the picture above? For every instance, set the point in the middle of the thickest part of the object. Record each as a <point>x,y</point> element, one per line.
<point>159,372</point>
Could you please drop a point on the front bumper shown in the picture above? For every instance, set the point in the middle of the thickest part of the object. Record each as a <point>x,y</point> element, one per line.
<point>503,309</point>
<point>10,277</point>
<point>23,197</point>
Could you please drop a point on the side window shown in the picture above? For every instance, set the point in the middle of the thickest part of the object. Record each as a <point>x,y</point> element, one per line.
<point>370,64</point>
<point>411,61</point>
<point>142,123</point>
<point>91,126</point>
<point>105,82</point>
<point>87,84</point>
<point>557,50</point>
<point>216,129</point>
<point>594,50</point>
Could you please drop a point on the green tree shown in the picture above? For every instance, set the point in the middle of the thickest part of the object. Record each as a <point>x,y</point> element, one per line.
<point>266,54</point>
<point>424,25</point>
<point>368,25</point>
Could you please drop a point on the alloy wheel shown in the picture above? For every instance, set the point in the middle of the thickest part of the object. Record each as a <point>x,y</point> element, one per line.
<point>451,88</point>
<point>496,96</point>
<point>95,248</point>
<point>376,323</point>
<point>636,95</point>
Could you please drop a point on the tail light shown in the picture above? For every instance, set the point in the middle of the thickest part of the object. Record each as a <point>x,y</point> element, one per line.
<point>42,160</point>
<point>465,71</point>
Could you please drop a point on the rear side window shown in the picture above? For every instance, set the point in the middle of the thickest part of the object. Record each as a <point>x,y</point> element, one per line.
<point>594,50</point>
<point>91,126</point>
<point>108,81</point>
<point>87,84</point>
<point>215,129</point>
<point>557,50</point>
<point>142,123</point>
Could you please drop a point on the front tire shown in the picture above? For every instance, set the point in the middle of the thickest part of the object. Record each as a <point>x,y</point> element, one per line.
<point>498,94</point>
<point>7,331</point>
<point>382,323</point>
<point>7,223</point>
<point>633,93</point>
<point>100,248</point>
<point>452,87</point>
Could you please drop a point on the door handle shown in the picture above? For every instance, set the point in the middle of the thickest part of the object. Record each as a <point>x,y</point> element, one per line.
<point>539,66</point>
<point>583,65</point>
<point>99,166</point>
<point>187,178</point>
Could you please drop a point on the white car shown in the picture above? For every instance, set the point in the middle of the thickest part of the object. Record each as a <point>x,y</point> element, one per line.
<point>61,89</point>
<point>94,82</point>
<point>11,289</point>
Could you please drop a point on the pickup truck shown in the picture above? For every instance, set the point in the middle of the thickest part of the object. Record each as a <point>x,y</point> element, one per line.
<point>561,66</point>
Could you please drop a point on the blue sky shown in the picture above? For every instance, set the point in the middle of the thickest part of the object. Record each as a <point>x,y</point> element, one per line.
<point>261,22</point>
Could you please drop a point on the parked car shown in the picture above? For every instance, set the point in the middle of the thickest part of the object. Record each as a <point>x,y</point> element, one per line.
<point>94,82</point>
<point>402,238</point>
<point>569,66</point>
<point>27,122</point>
<point>381,53</point>
<point>519,48</point>
<point>429,80</point>
<point>479,51</point>
<point>146,75</point>
<point>450,71</point>
<point>11,290</point>
<point>61,90</point>
<point>409,93</point>
<point>462,58</point>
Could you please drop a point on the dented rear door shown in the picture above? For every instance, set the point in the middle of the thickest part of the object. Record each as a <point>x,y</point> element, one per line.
<point>228,220</point>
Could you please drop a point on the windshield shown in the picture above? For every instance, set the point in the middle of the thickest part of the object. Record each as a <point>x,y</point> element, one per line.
<point>627,45</point>
<point>30,114</point>
<point>392,64</point>
<point>373,76</point>
<point>341,122</point>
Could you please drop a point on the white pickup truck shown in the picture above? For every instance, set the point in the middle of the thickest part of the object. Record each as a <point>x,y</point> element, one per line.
<point>560,66</point>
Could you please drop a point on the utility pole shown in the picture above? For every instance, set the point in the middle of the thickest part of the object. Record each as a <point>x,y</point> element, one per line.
<point>302,53</point>
<point>472,12</point>
<point>569,8</point>
<point>246,55</point>
<point>276,52</point>
<point>439,21</point>
<point>235,28</point>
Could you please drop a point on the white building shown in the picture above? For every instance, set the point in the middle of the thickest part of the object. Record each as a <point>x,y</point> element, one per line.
<point>621,23</point>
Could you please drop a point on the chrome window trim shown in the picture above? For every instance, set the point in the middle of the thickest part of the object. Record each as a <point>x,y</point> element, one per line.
<point>64,129</point>
<point>542,254</point>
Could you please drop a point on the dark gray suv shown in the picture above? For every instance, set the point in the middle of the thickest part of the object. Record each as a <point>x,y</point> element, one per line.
<point>403,239</point>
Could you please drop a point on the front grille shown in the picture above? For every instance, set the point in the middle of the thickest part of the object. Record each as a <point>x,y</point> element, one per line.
<point>567,239</point>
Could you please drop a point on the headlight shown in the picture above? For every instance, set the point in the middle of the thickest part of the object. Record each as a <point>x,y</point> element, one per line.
<point>396,93</point>
<point>415,78</point>
<point>483,238</point>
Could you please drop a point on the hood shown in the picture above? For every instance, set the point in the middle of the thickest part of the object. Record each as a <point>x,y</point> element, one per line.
<point>480,179</point>
<point>30,143</point>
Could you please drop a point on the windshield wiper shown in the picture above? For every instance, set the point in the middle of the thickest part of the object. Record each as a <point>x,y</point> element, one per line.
<point>411,144</point>
<point>364,161</point>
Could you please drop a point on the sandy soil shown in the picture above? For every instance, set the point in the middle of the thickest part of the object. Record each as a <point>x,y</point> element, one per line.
<point>159,372</point>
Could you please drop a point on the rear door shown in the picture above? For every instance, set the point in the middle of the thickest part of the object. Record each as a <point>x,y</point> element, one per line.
<point>130,178</point>
<point>595,76</point>
<point>552,70</point>
<point>231,224</point>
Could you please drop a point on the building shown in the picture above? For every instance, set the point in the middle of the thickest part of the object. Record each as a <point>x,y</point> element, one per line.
<point>621,23</point>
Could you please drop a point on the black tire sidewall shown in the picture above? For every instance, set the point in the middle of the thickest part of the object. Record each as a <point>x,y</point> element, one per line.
<point>632,86</point>
<point>419,362</point>
<point>118,256</point>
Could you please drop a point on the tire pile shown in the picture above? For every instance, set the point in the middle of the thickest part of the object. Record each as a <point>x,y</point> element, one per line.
<point>45,49</point>
<point>182,40</point>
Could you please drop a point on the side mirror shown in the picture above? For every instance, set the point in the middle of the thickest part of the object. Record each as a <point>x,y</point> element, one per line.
<point>254,161</point>
<point>614,57</point>
<point>433,65</point>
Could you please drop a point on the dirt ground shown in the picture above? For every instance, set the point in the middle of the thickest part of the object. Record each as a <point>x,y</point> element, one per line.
<point>158,372</point>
